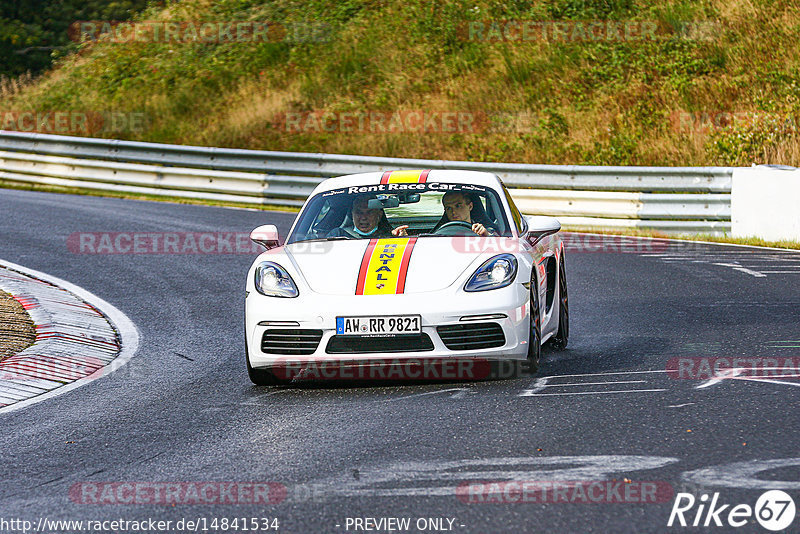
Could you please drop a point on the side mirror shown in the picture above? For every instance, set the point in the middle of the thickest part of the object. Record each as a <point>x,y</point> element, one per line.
<point>266,236</point>
<point>540,226</point>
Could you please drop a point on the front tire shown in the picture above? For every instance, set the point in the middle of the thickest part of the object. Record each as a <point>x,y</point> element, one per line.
<point>535,338</point>
<point>560,339</point>
<point>260,377</point>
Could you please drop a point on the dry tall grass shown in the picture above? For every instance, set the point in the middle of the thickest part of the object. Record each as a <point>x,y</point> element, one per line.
<point>561,103</point>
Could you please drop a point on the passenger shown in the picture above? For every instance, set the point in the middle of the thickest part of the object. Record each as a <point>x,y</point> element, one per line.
<point>367,222</point>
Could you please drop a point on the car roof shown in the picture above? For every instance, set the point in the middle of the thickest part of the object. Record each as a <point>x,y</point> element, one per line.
<point>486,179</point>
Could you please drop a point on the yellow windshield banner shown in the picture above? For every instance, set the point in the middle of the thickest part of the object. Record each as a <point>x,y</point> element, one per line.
<point>384,266</point>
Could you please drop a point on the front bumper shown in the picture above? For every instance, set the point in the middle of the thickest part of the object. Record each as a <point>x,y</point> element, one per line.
<point>508,307</point>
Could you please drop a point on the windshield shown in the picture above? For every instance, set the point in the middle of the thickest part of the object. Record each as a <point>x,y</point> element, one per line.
<point>378,211</point>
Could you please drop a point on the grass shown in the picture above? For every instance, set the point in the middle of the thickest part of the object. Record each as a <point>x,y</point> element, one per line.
<point>720,86</point>
<point>648,102</point>
<point>17,331</point>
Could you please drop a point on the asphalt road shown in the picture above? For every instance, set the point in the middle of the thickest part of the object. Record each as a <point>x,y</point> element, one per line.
<point>183,410</point>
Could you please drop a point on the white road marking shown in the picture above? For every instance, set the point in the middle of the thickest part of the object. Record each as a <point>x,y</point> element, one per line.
<point>597,392</point>
<point>596,383</point>
<point>770,381</point>
<point>430,478</point>
<point>756,263</point>
<point>736,374</point>
<point>613,373</point>
<point>545,382</point>
<point>773,377</point>
<point>680,405</point>
<point>743,475</point>
<point>737,267</point>
<point>790,262</point>
<point>539,385</point>
<point>271,393</point>
<point>460,393</point>
<point>760,266</point>
<point>721,376</point>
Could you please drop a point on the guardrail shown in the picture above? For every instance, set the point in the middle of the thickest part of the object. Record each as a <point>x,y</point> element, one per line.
<point>689,199</point>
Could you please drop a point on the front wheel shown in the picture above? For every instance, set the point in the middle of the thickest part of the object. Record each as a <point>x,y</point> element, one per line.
<point>535,337</point>
<point>560,339</point>
<point>261,377</point>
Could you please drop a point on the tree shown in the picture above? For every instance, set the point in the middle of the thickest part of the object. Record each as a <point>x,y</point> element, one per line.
<point>35,32</point>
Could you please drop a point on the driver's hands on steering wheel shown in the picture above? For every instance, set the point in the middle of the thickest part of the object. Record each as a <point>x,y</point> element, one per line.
<point>480,229</point>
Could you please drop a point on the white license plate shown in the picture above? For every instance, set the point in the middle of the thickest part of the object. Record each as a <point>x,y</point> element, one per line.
<point>382,325</point>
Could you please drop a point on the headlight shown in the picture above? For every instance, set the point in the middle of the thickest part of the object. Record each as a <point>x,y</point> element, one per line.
<point>272,280</point>
<point>495,273</point>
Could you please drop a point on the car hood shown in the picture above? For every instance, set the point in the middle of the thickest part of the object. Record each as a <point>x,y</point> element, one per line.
<point>382,266</point>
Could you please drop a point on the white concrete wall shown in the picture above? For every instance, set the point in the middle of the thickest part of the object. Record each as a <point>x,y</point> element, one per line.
<point>765,203</point>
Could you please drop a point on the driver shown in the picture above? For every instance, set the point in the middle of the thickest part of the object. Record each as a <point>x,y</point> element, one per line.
<point>367,222</point>
<point>458,207</point>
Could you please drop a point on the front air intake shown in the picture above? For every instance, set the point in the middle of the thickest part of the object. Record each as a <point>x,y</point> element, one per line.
<point>472,336</point>
<point>290,341</point>
<point>364,345</point>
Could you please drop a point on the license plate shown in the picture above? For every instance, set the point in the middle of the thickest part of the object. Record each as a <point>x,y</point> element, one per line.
<point>383,325</point>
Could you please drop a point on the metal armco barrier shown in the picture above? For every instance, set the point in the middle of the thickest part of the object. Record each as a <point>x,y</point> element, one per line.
<point>677,199</point>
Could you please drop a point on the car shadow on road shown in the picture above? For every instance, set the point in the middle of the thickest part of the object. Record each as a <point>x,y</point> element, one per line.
<point>601,355</point>
<point>609,354</point>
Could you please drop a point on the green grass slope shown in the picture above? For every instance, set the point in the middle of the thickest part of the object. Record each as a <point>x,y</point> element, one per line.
<point>718,85</point>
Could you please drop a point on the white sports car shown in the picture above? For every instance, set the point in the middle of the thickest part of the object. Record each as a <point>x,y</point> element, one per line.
<point>418,265</point>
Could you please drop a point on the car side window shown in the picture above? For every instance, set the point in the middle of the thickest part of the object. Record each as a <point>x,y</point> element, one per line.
<point>519,222</point>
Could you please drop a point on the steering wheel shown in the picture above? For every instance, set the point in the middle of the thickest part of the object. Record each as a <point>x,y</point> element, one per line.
<point>455,228</point>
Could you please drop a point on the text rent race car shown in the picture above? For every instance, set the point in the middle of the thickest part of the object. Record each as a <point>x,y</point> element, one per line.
<point>417,265</point>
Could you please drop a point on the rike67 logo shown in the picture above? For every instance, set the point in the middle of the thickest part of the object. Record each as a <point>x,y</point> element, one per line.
<point>774,510</point>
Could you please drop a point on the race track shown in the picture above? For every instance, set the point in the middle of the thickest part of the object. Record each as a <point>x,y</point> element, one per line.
<point>183,410</point>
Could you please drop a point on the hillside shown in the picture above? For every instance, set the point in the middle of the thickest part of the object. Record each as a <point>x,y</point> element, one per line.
<point>606,82</point>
